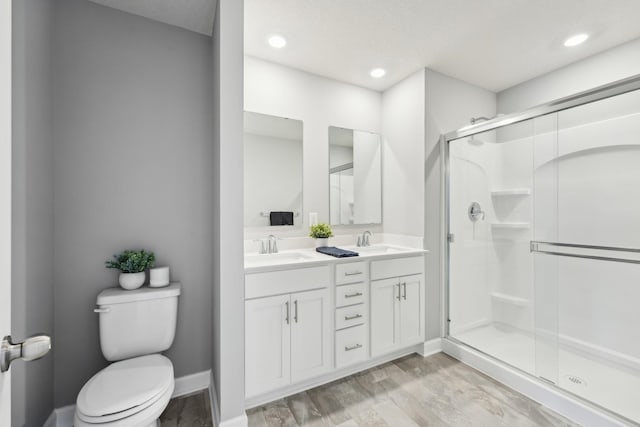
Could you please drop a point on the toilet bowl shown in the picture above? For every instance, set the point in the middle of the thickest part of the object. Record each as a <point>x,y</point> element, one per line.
<point>133,392</point>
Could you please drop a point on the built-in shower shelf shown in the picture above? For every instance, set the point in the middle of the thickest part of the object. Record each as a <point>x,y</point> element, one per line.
<point>509,299</point>
<point>511,225</point>
<point>511,192</point>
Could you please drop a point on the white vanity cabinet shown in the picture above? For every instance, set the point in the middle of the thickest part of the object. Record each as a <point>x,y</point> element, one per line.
<point>307,325</point>
<point>397,304</point>
<point>288,337</point>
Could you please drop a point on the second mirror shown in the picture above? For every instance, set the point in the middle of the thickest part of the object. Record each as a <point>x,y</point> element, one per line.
<point>355,177</point>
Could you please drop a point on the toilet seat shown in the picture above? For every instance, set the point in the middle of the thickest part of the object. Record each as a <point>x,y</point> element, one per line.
<point>127,391</point>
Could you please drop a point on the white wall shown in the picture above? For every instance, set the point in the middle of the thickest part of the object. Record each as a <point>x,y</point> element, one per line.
<point>132,133</point>
<point>319,102</point>
<point>614,64</point>
<point>228,257</point>
<point>403,156</point>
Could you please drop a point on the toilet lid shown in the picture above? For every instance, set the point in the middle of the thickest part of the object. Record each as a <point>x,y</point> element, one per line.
<point>125,385</point>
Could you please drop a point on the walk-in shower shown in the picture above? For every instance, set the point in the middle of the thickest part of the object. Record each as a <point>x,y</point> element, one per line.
<point>543,243</point>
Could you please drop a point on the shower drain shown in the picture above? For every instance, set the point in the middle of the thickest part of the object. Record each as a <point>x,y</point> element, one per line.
<point>576,380</point>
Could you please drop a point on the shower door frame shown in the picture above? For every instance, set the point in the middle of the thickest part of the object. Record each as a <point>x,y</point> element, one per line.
<point>599,93</point>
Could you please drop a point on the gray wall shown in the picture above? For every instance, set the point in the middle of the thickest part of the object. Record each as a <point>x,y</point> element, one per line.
<point>32,207</point>
<point>614,64</point>
<point>228,221</point>
<point>133,132</point>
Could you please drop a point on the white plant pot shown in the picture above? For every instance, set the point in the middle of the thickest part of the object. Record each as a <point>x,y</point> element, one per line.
<point>322,243</point>
<point>130,281</point>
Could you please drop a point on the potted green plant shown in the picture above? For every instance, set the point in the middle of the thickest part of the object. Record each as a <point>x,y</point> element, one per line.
<point>321,232</point>
<point>132,266</point>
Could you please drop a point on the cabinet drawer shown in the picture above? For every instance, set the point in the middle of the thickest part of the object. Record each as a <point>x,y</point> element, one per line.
<point>351,316</point>
<point>350,294</point>
<point>387,268</point>
<point>351,272</point>
<point>258,285</point>
<point>351,345</point>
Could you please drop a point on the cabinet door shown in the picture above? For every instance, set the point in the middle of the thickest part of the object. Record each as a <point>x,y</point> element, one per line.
<point>411,310</point>
<point>267,344</point>
<point>384,316</point>
<point>310,334</point>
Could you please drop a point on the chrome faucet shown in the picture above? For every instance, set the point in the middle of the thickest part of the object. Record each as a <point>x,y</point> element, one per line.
<point>273,244</point>
<point>364,239</point>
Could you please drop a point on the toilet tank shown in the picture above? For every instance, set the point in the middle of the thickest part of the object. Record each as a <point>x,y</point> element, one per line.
<point>138,322</point>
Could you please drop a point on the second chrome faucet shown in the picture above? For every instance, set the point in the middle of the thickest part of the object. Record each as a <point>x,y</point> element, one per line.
<point>364,240</point>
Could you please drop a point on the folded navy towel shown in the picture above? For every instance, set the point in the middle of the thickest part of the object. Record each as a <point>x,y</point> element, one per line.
<point>336,252</point>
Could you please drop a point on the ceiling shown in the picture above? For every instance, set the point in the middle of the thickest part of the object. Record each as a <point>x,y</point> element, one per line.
<point>491,43</point>
<point>494,44</point>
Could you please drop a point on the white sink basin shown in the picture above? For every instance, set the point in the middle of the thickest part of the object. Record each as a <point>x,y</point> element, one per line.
<point>275,259</point>
<point>376,249</point>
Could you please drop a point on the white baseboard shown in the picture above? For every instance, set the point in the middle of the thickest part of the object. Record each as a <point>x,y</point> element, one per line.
<point>431,347</point>
<point>564,404</point>
<point>191,383</point>
<point>63,417</point>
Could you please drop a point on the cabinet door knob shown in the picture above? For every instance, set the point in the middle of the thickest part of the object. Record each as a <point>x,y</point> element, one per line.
<point>355,316</point>
<point>398,296</point>
<point>404,290</point>
<point>295,308</point>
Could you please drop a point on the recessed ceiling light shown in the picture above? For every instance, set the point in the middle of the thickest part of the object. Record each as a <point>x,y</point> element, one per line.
<point>277,42</point>
<point>576,40</point>
<point>376,73</point>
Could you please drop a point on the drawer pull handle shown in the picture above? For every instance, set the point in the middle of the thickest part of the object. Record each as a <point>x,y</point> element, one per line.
<point>352,273</point>
<point>353,347</point>
<point>355,316</point>
<point>357,294</point>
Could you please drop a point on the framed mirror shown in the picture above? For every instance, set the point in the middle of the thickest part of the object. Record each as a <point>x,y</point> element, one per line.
<point>272,171</point>
<point>355,177</point>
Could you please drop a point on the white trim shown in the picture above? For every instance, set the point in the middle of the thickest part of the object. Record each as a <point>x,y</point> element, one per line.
<point>63,417</point>
<point>332,376</point>
<point>191,383</point>
<point>564,404</point>
<point>239,421</point>
<point>213,396</point>
<point>431,347</point>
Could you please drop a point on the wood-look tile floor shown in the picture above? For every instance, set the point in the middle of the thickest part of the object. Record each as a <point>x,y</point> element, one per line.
<point>193,410</point>
<point>411,391</point>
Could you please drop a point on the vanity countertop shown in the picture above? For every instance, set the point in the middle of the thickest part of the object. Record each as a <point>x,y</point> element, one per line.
<point>308,257</point>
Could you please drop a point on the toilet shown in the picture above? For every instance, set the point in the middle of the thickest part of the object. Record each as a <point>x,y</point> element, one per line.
<point>135,326</point>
